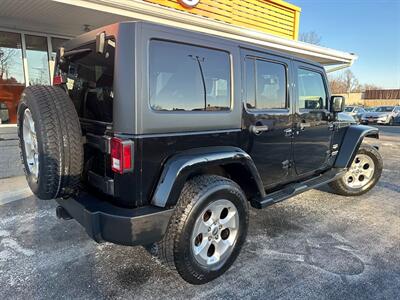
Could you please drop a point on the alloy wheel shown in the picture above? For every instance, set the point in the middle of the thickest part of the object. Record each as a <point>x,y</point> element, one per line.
<point>361,172</point>
<point>30,144</point>
<point>215,233</point>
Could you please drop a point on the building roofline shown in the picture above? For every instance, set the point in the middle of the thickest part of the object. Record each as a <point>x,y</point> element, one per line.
<point>141,10</point>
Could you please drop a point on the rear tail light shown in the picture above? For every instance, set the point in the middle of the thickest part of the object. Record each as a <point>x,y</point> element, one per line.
<point>121,155</point>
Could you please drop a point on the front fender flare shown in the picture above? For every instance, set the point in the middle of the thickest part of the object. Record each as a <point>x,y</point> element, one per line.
<point>351,143</point>
<point>179,167</point>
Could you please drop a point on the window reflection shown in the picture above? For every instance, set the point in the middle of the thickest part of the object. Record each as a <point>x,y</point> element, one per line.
<point>265,85</point>
<point>38,60</point>
<point>188,78</point>
<point>250,83</point>
<point>312,94</point>
<point>12,80</point>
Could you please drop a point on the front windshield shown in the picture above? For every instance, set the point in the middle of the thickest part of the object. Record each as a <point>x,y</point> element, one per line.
<point>348,109</point>
<point>384,109</point>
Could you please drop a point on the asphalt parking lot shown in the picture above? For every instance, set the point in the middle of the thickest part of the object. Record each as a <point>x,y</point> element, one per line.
<point>314,246</point>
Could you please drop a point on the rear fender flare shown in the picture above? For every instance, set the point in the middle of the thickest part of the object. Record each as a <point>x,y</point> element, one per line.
<point>351,143</point>
<point>180,167</point>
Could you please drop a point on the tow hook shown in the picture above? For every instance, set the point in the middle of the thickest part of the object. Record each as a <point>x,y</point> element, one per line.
<point>62,213</point>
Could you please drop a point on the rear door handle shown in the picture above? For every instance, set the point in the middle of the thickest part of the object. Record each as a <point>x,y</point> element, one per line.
<point>257,130</point>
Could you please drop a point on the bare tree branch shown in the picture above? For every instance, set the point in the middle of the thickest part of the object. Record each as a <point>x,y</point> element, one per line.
<point>310,37</point>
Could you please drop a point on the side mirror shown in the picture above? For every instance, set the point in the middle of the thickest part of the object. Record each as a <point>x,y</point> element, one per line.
<point>100,42</point>
<point>337,104</point>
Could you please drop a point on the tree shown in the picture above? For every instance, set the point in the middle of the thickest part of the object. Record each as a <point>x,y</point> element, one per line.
<point>371,86</point>
<point>6,59</point>
<point>337,85</point>
<point>310,37</point>
<point>344,83</point>
<point>351,82</point>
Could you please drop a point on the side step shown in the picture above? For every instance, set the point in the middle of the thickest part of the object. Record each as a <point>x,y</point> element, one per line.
<point>298,188</point>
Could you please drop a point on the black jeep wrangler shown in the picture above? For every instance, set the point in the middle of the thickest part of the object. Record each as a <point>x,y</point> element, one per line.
<point>162,137</point>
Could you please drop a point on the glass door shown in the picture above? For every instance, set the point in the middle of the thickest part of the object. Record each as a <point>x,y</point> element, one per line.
<point>12,79</point>
<point>38,59</point>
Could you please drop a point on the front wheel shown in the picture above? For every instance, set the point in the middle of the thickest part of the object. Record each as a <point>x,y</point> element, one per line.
<point>362,175</point>
<point>207,229</point>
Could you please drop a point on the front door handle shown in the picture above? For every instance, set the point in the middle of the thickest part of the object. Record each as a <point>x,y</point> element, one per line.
<point>257,130</point>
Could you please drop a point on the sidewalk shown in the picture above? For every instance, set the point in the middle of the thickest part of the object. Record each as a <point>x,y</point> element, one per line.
<point>12,189</point>
<point>10,162</point>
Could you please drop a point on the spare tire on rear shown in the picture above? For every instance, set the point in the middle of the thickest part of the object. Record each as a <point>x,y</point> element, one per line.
<point>50,141</point>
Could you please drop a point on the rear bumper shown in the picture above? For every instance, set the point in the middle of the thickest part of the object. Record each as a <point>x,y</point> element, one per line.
<point>106,222</point>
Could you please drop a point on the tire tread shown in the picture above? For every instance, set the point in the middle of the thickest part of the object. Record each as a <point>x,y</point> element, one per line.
<point>61,140</point>
<point>165,250</point>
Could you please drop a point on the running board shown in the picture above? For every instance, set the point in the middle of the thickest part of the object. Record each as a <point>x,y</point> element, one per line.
<point>298,188</point>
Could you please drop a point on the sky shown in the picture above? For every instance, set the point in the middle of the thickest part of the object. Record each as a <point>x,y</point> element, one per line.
<point>368,28</point>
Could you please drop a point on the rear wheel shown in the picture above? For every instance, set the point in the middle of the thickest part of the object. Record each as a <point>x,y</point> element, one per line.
<point>50,141</point>
<point>362,175</point>
<point>207,229</point>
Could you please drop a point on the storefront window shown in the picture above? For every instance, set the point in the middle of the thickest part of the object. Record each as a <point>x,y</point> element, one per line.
<point>12,75</point>
<point>12,80</point>
<point>38,60</point>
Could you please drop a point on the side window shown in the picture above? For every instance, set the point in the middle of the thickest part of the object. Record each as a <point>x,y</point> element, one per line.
<point>188,78</point>
<point>265,85</point>
<point>312,93</point>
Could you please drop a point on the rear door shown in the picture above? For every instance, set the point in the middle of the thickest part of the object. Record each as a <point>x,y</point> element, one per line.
<point>267,114</point>
<point>312,120</point>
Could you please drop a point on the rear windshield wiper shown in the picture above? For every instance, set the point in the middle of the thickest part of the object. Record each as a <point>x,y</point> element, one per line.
<point>81,52</point>
<point>66,57</point>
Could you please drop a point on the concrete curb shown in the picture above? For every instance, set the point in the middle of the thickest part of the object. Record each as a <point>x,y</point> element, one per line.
<point>14,196</point>
<point>13,189</point>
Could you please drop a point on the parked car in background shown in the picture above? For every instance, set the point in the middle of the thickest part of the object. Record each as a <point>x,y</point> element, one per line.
<point>397,119</point>
<point>369,109</point>
<point>386,115</point>
<point>355,111</point>
<point>345,119</point>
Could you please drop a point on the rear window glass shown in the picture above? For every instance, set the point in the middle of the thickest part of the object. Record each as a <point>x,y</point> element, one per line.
<point>188,78</point>
<point>265,85</point>
<point>90,82</point>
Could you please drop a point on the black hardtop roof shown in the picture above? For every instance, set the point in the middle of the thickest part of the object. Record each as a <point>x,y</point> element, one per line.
<point>119,29</point>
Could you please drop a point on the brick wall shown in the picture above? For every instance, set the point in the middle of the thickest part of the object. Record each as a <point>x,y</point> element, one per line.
<point>357,99</point>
